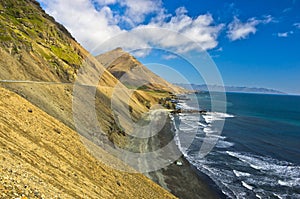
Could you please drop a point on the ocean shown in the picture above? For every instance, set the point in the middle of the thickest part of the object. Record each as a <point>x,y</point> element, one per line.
<point>257,154</point>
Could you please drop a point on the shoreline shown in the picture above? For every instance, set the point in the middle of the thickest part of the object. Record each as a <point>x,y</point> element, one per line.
<point>184,181</point>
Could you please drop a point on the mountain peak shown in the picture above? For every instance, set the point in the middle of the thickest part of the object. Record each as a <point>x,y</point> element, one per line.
<point>119,49</point>
<point>133,73</point>
<point>109,57</point>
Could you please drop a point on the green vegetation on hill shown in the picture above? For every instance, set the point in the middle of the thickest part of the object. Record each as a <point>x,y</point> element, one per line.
<point>25,29</point>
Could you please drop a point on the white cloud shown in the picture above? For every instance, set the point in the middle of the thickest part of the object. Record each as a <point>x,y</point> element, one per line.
<point>85,23</point>
<point>91,26</point>
<point>297,25</point>
<point>284,34</point>
<point>105,2</point>
<point>267,19</point>
<point>200,30</point>
<point>136,11</point>
<point>219,49</point>
<point>169,57</point>
<point>239,30</point>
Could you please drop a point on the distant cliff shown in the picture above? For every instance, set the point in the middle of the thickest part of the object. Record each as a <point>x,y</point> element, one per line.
<point>239,89</point>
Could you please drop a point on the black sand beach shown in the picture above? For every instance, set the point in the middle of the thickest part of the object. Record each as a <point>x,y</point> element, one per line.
<point>184,181</point>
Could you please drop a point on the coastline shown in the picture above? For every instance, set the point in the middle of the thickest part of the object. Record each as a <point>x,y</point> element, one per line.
<point>184,181</point>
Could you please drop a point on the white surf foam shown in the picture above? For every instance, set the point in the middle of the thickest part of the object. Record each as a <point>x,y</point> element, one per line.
<point>288,174</point>
<point>283,183</point>
<point>218,136</point>
<point>278,196</point>
<point>224,144</point>
<point>201,124</point>
<point>177,140</point>
<point>184,106</point>
<point>241,174</point>
<point>289,183</point>
<point>250,160</point>
<point>208,130</point>
<point>210,117</point>
<point>255,167</point>
<point>247,186</point>
<point>220,115</point>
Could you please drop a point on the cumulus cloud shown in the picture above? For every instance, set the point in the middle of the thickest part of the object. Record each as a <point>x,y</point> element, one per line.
<point>92,25</point>
<point>199,30</point>
<point>239,30</point>
<point>136,11</point>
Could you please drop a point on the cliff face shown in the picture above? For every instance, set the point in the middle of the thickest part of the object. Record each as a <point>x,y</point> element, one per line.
<point>133,73</point>
<point>40,62</point>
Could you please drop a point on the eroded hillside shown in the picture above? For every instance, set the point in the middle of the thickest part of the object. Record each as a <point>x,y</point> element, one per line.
<point>42,158</point>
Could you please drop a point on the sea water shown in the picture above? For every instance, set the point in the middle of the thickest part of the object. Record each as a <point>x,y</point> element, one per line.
<point>257,154</point>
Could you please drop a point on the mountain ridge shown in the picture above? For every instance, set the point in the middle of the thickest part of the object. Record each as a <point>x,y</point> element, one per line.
<point>242,89</point>
<point>133,74</point>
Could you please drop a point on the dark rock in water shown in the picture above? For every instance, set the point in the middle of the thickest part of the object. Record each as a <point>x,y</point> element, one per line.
<point>175,101</point>
<point>183,97</point>
<point>203,112</point>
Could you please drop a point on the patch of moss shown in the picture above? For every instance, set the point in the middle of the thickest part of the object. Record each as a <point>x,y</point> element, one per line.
<point>5,38</point>
<point>66,54</point>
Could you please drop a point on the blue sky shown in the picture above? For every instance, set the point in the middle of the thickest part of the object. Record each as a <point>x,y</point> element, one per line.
<point>253,43</point>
